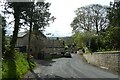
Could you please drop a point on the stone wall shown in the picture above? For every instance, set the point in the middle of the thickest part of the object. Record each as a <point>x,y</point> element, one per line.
<point>107,60</point>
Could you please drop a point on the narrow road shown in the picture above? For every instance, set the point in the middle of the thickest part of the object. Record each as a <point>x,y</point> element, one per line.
<point>75,67</point>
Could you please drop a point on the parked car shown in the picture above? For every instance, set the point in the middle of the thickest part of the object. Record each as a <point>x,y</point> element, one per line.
<point>67,54</point>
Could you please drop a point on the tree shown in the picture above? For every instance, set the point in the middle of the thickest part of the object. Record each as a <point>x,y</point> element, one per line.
<point>37,16</point>
<point>82,20</point>
<point>82,39</point>
<point>15,8</point>
<point>99,20</point>
<point>114,14</point>
<point>112,38</point>
<point>78,39</point>
<point>90,18</point>
<point>3,25</point>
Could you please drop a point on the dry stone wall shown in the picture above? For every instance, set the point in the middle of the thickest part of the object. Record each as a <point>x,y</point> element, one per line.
<point>107,60</point>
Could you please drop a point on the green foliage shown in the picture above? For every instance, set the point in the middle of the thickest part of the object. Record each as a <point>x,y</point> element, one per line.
<point>89,41</point>
<point>109,41</point>
<point>15,68</point>
<point>78,39</point>
<point>114,14</point>
<point>90,18</point>
<point>103,37</point>
<point>89,25</point>
<point>82,39</point>
<point>93,44</point>
<point>16,9</point>
<point>112,38</point>
<point>34,15</point>
<point>38,15</point>
<point>97,44</point>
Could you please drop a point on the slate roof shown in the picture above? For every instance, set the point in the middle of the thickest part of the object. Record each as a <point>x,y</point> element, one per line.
<point>21,34</point>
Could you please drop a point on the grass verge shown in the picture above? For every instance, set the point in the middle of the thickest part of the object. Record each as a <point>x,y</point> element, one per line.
<point>15,68</point>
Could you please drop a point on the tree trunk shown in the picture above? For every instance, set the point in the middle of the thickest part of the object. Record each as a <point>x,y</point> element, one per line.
<point>96,26</point>
<point>15,32</point>
<point>29,40</point>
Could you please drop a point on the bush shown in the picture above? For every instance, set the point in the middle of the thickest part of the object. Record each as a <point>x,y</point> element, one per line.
<point>15,68</point>
<point>112,38</point>
<point>94,44</point>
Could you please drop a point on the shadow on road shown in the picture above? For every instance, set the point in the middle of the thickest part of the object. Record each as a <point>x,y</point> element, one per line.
<point>55,77</point>
<point>45,63</point>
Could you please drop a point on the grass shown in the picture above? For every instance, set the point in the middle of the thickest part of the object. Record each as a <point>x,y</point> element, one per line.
<point>15,68</point>
<point>0,69</point>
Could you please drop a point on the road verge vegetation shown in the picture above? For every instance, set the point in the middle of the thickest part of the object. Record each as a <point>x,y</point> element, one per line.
<point>17,67</point>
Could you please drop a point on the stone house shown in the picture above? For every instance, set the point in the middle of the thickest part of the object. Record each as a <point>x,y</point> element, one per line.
<point>53,46</point>
<point>37,43</point>
<point>40,45</point>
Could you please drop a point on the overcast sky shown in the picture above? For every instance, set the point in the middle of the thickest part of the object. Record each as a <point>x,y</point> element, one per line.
<point>63,10</point>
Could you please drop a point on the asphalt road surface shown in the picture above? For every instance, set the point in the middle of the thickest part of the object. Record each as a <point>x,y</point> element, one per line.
<point>75,67</point>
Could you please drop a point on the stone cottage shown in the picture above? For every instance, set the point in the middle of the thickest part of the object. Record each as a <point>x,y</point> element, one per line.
<point>53,46</point>
<point>40,45</point>
<point>37,43</point>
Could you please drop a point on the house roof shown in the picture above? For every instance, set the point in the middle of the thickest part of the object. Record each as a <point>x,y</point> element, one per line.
<point>42,35</point>
<point>22,34</point>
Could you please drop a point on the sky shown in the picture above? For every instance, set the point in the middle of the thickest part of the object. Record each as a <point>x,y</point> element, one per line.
<point>63,10</point>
